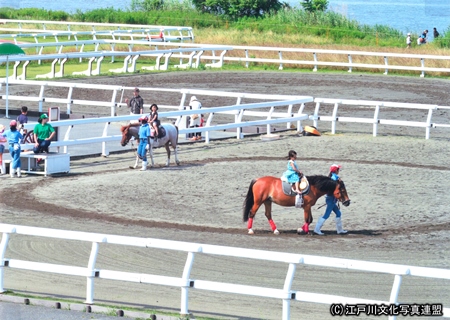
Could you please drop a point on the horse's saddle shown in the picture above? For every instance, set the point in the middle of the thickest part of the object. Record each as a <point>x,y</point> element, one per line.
<point>287,187</point>
<point>161,132</point>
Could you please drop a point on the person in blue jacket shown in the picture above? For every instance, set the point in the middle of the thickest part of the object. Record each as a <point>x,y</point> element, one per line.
<point>13,136</point>
<point>331,202</point>
<point>144,140</point>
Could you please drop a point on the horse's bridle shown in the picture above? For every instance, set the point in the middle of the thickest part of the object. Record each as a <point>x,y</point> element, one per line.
<point>345,203</point>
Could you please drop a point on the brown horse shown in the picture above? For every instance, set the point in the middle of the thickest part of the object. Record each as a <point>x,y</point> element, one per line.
<point>266,190</point>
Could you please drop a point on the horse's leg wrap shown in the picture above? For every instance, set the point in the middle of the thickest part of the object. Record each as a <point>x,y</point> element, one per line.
<point>272,225</point>
<point>305,228</point>
<point>250,223</point>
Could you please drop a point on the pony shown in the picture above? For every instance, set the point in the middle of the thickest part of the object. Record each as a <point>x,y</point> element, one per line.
<point>171,138</point>
<point>266,190</point>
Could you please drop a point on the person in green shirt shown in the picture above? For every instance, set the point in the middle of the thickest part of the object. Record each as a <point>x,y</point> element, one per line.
<point>43,135</point>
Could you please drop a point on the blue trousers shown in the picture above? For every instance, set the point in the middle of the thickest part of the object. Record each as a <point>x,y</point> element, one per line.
<point>42,147</point>
<point>331,206</point>
<point>142,151</point>
<point>15,155</point>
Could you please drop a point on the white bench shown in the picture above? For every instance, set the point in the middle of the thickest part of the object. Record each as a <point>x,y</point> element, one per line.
<point>53,162</point>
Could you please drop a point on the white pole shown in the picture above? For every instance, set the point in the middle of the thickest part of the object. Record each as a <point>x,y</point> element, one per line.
<point>7,91</point>
<point>90,279</point>
<point>3,247</point>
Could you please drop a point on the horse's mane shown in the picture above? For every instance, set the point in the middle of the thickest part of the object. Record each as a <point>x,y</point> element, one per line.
<point>323,183</point>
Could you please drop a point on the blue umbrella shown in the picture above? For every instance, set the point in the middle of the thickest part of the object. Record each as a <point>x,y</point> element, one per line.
<point>8,49</point>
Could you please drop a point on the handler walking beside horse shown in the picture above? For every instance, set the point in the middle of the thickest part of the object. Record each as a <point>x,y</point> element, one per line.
<point>144,140</point>
<point>331,206</point>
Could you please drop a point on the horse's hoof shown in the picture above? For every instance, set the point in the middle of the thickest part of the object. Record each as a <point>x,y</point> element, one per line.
<point>131,167</point>
<point>250,231</point>
<point>178,163</point>
<point>276,232</point>
<point>301,231</point>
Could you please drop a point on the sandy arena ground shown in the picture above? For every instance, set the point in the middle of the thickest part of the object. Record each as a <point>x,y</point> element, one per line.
<point>397,183</point>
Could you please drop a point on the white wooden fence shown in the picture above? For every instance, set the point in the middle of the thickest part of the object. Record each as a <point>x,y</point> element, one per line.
<point>270,117</point>
<point>287,294</point>
<point>375,120</point>
<point>129,65</point>
<point>108,30</point>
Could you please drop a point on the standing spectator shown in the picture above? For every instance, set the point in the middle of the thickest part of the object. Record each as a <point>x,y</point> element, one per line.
<point>22,119</point>
<point>195,119</point>
<point>408,40</point>
<point>435,33</point>
<point>136,104</point>
<point>14,136</point>
<point>43,135</point>
<point>2,149</point>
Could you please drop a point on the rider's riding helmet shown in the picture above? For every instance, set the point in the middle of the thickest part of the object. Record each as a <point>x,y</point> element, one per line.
<point>334,167</point>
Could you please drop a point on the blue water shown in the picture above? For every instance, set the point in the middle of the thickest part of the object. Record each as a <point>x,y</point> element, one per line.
<point>404,15</point>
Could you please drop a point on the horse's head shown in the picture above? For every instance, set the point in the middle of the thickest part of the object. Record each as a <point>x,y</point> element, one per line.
<point>126,135</point>
<point>340,193</point>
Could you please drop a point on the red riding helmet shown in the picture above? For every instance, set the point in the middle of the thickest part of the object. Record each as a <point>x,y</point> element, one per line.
<point>335,167</point>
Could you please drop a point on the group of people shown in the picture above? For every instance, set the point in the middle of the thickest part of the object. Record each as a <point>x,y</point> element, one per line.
<point>149,124</point>
<point>43,134</point>
<point>422,39</point>
<point>293,176</point>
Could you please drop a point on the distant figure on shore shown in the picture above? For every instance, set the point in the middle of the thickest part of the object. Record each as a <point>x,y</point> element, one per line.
<point>423,38</point>
<point>408,40</point>
<point>435,33</point>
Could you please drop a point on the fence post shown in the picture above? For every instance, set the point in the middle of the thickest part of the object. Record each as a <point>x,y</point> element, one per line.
<point>113,103</point>
<point>350,61</point>
<point>90,278</point>
<point>376,120</point>
<point>269,116</point>
<point>394,292</point>
<point>427,130</point>
<point>238,118</point>
<point>41,97</point>
<point>422,63</point>
<point>299,123</point>
<point>3,247</point>
<point>334,120</point>
<point>105,151</point>
<point>246,58</point>
<point>281,59</point>
<point>186,284</point>
<point>289,112</point>
<point>386,64</point>
<point>287,289</point>
<point>69,100</point>
<point>316,114</point>
<point>315,60</point>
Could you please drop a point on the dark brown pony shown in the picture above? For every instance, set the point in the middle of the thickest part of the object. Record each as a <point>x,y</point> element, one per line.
<point>266,190</point>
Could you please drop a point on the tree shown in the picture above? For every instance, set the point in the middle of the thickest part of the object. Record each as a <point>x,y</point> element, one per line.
<point>314,5</point>
<point>238,8</point>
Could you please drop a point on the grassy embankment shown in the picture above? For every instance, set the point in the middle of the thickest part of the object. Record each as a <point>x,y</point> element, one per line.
<point>287,28</point>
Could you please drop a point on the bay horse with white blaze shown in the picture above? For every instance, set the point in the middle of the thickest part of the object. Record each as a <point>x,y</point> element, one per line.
<point>266,190</point>
<point>170,139</point>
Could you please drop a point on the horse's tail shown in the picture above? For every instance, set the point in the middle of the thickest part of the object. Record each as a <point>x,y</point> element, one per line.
<point>176,141</point>
<point>249,201</point>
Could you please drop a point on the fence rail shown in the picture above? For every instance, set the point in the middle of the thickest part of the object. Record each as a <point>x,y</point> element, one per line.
<point>243,115</point>
<point>287,294</point>
<point>155,32</point>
